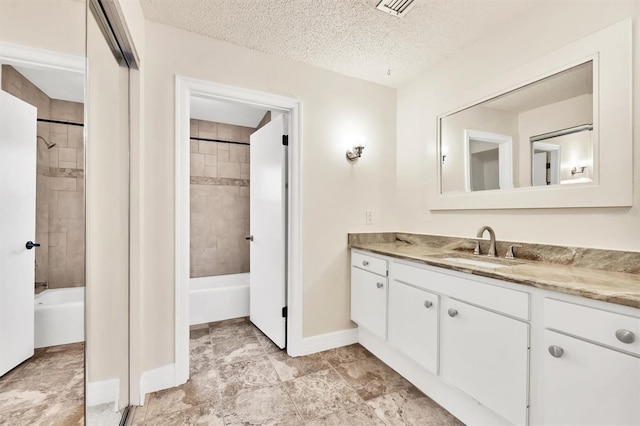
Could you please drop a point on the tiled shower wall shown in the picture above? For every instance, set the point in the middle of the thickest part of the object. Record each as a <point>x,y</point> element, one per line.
<point>59,184</point>
<point>219,199</point>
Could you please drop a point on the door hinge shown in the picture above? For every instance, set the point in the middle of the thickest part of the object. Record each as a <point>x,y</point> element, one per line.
<point>285,312</point>
<point>285,140</point>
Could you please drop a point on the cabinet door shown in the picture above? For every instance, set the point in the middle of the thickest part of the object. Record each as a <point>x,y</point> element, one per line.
<point>413,324</point>
<point>587,384</point>
<point>369,301</point>
<point>486,355</point>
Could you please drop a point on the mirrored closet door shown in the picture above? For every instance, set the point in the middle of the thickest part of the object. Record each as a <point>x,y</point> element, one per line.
<point>107,217</point>
<point>42,214</point>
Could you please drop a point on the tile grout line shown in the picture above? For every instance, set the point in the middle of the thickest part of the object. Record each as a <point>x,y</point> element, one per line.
<point>365,403</point>
<point>217,370</point>
<point>295,406</point>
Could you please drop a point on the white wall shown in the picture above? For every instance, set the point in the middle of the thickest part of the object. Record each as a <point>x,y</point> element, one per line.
<point>135,22</point>
<point>335,193</point>
<point>560,115</point>
<point>542,30</point>
<point>57,25</point>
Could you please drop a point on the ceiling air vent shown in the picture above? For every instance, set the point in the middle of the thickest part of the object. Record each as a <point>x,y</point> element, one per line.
<point>397,8</point>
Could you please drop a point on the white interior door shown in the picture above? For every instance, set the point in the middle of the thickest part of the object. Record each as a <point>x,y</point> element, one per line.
<point>540,169</point>
<point>17,226</point>
<point>268,290</point>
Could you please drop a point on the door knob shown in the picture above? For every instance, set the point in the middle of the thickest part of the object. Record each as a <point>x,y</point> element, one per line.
<point>452,312</point>
<point>379,285</point>
<point>365,263</point>
<point>31,244</point>
<point>249,238</point>
<point>428,304</point>
<point>556,351</point>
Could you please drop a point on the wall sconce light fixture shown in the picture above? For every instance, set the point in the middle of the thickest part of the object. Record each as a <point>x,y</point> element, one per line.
<point>355,152</point>
<point>578,169</point>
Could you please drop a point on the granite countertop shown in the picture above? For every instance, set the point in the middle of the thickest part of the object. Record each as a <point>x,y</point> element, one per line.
<point>607,275</point>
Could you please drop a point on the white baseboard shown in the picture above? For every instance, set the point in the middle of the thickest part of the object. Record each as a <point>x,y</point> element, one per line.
<point>218,298</point>
<point>327,341</point>
<point>106,391</point>
<point>157,379</point>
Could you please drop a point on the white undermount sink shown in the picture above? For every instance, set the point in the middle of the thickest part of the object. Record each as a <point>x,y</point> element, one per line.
<point>474,262</point>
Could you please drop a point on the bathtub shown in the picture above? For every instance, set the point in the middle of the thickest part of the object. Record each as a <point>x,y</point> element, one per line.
<point>218,298</point>
<point>59,317</point>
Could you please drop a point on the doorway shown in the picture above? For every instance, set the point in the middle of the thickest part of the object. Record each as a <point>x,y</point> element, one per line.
<point>488,161</point>
<point>186,90</point>
<point>237,241</point>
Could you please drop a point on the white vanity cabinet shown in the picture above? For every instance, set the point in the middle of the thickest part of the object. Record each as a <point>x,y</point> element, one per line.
<point>413,323</point>
<point>483,350</point>
<point>369,286</point>
<point>587,378</point>
<point>494,352</point>
<point>485,354</point>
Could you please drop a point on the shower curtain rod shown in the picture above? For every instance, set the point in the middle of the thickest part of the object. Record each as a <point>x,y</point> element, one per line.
<point>69,123</point>
<point>218,140</point>
<point>562,132</point>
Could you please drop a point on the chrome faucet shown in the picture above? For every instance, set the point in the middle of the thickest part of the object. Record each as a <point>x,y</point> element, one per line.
<point>492,239</point>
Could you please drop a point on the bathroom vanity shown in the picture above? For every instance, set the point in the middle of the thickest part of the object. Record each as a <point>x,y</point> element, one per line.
<point>498,341</point>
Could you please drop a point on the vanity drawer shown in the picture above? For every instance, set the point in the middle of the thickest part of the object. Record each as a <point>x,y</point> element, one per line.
<point>369,263</point>
<point>499,299</point>
<point>607,328</point>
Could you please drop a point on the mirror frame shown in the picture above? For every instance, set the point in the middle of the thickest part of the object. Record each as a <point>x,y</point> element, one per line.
<point>610,50</point>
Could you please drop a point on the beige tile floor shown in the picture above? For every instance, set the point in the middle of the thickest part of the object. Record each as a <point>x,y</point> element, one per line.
<point>238,377</point>
<point>47,389</point>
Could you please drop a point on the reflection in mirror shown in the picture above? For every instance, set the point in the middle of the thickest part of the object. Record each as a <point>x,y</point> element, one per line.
<point>42,185</point>
<point>489,161</point>
<point>564,157</point>
<point>107,371</point>
<point>549,128</point>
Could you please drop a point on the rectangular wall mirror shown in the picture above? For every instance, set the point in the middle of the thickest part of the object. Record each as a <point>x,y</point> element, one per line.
<point>554,132</point>
<point>537,135</point>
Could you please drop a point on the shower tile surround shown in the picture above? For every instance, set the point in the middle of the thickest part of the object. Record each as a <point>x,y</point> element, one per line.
<point>261,384</point>
<point>59,184</point>
<point>219,199</point>
<point>606,275</point>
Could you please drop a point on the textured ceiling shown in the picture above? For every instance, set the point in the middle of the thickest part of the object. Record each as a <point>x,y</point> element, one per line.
<point>350,37</point>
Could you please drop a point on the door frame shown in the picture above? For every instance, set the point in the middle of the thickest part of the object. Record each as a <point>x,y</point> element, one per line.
<point>554,151</point>
<point>186,87</point>
<point>505,156</point>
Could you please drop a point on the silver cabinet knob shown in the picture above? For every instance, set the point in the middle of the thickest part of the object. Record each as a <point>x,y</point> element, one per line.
<point>428,304</point>
<point>452,312</point>
<point>625,336</point>
<point>365,263</point>
<point>379,285</point>
<point>556,351</point>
